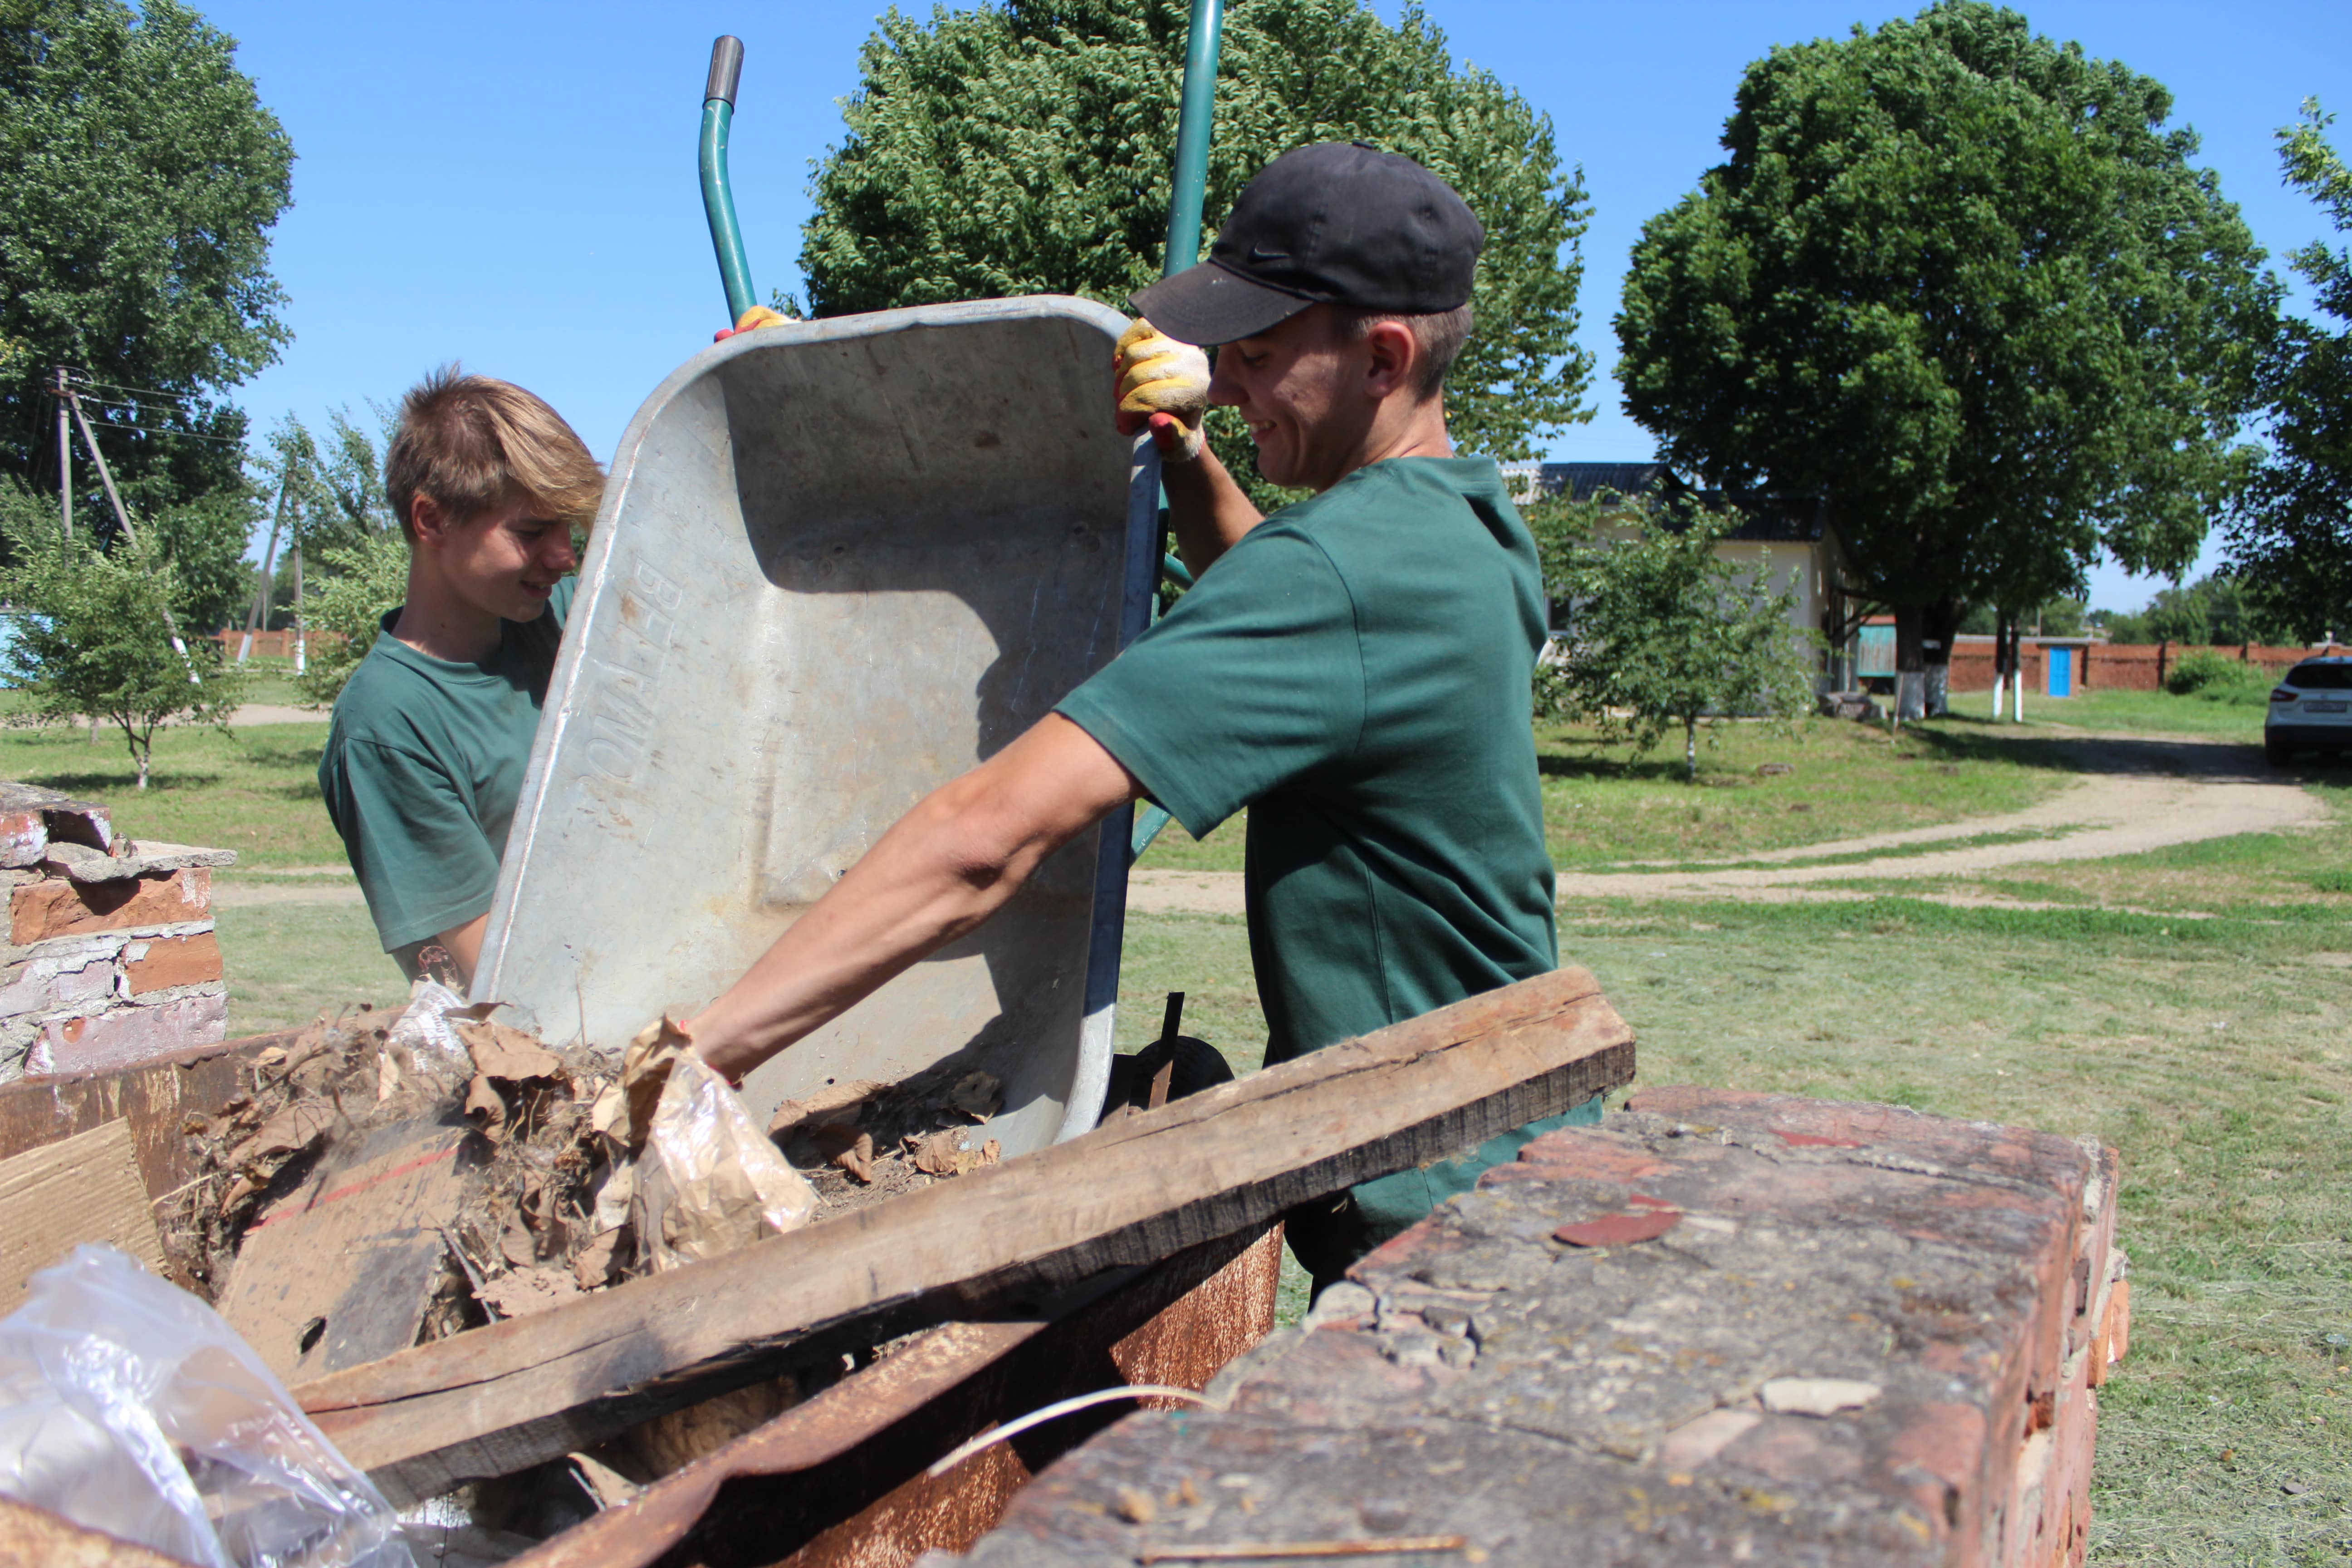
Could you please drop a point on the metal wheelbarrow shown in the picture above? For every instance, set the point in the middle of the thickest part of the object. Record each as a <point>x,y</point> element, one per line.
<point>837,563</point>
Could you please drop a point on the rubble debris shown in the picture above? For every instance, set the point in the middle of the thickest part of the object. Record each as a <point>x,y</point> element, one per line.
<point>508,1177</point>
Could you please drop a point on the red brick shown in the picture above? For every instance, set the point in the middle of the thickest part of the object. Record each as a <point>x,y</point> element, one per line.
<point>59,907</point>
<point>175,961</point>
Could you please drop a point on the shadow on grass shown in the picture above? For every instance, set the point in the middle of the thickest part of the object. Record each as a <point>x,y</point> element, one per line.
<point>1957,738</point>
<point>126,778</point>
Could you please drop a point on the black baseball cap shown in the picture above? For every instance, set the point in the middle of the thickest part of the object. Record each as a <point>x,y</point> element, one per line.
<point>1338,222</point>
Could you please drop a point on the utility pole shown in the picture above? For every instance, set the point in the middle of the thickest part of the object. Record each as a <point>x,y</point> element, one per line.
<point>106,479</point>
<point>64,458</point>
<point>302,644</point>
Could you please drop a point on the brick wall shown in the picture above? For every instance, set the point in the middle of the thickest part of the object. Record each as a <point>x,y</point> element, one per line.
<point>2113,667</point>
<point>1718,1327</point>
<point>273,645</point>
<point>110,956</point>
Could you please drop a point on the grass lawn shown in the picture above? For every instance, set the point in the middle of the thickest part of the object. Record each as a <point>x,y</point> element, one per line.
<point>2159,712</point>
<point>253,790</point>
<point>2208,1037</point>
<point>1607,805</point>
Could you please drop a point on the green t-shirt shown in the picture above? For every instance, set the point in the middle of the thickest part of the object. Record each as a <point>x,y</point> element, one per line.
<point>423,764</point>
<point>1356,671</point>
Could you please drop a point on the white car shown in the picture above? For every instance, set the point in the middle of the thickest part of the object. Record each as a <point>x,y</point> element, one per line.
<point>2310,710</point>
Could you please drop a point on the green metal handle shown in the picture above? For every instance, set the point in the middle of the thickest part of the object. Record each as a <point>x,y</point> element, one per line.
<point>718,196</point>
<point>1190,188</point>
<point>1194,122</point>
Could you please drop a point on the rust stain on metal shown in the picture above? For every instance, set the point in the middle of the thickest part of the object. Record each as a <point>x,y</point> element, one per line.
<point>838,1482</point>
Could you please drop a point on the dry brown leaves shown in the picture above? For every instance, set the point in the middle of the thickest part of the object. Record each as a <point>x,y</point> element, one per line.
<point>943,1154</point>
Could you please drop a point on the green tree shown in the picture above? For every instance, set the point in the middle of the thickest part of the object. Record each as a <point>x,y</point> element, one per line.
<point>363,582</point>
<point>138,179</point>
<point>1964,282</point>
<point>2214,609</point>
<point>94,643</point>
<point>1025,148</point>
<point>1660,631</point>
<point>2292,544</point>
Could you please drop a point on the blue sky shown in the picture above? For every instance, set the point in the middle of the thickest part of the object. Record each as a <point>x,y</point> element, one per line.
<point>512,185</point>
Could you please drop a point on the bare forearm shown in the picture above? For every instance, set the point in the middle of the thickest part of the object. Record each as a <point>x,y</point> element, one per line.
<point>940,871</point>
<point>465,945</point>
<point>1208,509</point>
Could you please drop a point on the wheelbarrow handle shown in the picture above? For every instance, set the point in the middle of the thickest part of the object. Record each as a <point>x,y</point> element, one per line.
<point>726,69</point>
<point>718,194</point>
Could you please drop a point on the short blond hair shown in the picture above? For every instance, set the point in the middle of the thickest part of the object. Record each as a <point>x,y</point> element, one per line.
<point>475,443</point>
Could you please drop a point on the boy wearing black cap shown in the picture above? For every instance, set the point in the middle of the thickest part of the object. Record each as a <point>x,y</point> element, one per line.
<point>1354,669</point>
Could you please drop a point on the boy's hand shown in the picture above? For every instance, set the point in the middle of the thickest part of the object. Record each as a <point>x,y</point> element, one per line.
<point>1163,385</point>
<point>757,316</point>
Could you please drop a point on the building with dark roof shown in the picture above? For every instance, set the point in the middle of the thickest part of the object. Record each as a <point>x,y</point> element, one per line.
<point>1789,540</point>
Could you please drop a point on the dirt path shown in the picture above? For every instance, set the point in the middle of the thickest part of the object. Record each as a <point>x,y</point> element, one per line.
<point>2139,792</point>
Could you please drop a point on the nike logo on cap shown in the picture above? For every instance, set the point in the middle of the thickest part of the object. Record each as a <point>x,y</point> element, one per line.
<point>1260,253</point>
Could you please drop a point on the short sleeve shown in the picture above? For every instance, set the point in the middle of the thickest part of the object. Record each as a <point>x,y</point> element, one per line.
<point>1254,679</point>
<point>422,860</point>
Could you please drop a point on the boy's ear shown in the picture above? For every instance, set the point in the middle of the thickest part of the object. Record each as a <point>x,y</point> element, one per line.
<point>1394,355</point>
<point>426,521</point>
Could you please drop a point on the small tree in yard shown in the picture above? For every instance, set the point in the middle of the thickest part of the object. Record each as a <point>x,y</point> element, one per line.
<point>93,643</point>
<point>1661,631</point>
<point>370,579</point>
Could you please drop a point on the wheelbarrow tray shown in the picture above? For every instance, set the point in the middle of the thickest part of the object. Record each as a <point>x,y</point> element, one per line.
<point>837,563</point>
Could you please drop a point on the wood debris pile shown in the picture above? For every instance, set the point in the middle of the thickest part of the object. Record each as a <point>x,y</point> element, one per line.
<point>554,1172</point>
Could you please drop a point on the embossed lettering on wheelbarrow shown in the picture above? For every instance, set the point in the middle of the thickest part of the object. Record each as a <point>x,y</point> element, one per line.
<point>837,563</point>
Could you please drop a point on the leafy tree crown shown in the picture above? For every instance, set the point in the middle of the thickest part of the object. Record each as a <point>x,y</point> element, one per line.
<point>1025,148</point>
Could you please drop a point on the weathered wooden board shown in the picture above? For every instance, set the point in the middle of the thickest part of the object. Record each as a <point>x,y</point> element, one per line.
<point>496,1399</point>
<point>841,1479</point>
<point>33,1537</point>
<point>339,1272</point>
<point>156,1098</point>
<point>84,1188</point>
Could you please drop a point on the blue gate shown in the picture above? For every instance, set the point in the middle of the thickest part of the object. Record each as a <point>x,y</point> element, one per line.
<point>2061,671</point>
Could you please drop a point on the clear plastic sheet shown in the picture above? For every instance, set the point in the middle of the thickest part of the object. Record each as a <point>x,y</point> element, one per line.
<point>127,1406</point>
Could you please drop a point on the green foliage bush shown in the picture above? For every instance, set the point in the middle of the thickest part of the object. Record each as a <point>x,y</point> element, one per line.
<point>370,579</point>
<point>2217,678</point>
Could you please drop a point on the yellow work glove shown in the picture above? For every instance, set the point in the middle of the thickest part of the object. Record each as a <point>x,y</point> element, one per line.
<point>757,316</point>
<point>1159,377</point>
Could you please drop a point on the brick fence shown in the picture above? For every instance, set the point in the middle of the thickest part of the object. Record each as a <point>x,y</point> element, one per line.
<point>109,957</point>
<point>273,645</point>
<point>2112,666</point>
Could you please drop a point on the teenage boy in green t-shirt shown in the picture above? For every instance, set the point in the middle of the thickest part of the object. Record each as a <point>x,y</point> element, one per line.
<point>1355,669</point>
<point>425,756</point>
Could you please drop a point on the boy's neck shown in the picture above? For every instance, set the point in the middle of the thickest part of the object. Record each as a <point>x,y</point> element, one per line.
<point>437,623</point>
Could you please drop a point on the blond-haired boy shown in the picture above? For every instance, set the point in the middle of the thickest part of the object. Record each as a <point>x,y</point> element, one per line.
<point>431,735</point>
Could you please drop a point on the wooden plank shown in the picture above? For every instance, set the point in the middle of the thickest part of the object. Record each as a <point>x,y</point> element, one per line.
<point>841,1479</point>
<point>85,1188</point>
<point>339,1271</point>
<point>496,1399</point>
<point>34,1535</point>
<point>156,1097</point>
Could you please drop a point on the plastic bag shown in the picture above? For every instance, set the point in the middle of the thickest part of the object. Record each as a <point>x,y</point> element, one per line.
<point>127,1406</point>
<point>706,1180</point>
<point>425,1032</point>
